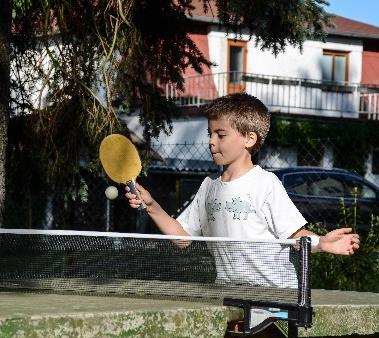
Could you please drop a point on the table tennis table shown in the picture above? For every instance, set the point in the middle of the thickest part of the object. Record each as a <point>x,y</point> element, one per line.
<point>337,313</point>
<point>84,284</point>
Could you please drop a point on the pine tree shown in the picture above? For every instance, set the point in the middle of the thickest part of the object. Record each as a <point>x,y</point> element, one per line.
<point>5,30</point>
<point>130,49</point>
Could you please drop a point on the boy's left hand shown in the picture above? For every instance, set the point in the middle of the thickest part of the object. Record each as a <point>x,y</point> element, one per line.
<point>340,242</point>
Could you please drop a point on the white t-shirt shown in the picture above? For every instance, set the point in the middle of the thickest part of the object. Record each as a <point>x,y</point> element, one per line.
<point>254,206</point>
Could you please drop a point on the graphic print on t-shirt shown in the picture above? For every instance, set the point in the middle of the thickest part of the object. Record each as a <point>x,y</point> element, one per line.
<point>212,207</point>
<point>239,208</point>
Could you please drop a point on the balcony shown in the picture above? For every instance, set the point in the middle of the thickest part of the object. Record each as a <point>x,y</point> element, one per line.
<point>283,94</point>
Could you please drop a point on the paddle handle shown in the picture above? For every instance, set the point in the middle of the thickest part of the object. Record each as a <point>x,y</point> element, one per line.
<point>134,191</point>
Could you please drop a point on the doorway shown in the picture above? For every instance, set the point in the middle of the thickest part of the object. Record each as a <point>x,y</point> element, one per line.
<point>237,54</point>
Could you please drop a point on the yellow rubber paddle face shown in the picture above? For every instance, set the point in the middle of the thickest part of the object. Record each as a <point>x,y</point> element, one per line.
<point>121,161</point>
<point>120,158</point>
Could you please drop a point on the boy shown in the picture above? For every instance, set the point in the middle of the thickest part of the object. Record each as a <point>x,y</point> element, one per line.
<point>245,201</point>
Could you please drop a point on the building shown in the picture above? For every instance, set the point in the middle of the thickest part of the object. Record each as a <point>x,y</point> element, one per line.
<point>336,80</point>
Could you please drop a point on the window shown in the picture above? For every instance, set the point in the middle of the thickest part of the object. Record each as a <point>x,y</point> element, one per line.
<point>335,66</point>
<point>359,189</point>
<point>235,63</point>
<point>296,183</point>
<point>325,185</point>
<point>314,184</point>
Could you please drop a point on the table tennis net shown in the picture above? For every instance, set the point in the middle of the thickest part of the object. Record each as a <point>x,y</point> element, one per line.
<point>152,266</point>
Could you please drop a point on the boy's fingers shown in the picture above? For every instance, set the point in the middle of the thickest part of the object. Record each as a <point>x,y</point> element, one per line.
<point>353,240</point>
<point>127,189</point>
<point>130,196</point>
<point>343,231</point>
<point>135,206</point>
<point>135,201</point>
<point>140,188</point>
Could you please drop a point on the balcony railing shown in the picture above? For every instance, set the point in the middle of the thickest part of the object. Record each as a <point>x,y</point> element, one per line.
<point>283,94</point>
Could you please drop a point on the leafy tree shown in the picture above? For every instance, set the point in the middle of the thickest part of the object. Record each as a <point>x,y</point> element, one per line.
<point>275,23</point>
<point>5,24</point>
<point>65,53</point>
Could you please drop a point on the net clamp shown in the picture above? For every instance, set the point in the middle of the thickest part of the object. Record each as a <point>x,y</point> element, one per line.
<point>257,316</point>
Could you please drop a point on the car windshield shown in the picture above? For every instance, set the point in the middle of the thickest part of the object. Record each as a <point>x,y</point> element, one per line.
<point>326,184</point>
<point>316,184</point>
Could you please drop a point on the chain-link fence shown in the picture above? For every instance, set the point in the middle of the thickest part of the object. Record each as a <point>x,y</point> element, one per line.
<point>174,177</point>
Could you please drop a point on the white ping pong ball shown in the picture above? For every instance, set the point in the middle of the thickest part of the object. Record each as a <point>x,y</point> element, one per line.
<point>111,192</point>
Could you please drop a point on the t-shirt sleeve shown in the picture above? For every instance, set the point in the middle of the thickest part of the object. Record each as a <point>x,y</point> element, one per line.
<point>281,214</point>
<point>190,218</point>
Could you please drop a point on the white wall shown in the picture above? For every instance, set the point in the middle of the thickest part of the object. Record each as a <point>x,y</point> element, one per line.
<point>36,82</point>
<point>278,157</point>
<point>373,178</point>
<point>307,65</point>
<point>292,63</point>
<point>193,131</point>
<point>327,160</point>
<point>35,86</point>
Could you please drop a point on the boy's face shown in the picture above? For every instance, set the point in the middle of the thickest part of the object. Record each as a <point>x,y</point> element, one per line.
<point>226,144</point>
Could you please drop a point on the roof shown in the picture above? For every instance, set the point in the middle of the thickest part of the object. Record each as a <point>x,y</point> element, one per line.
<point>352,28</point>
<point>310,169</point>
<point>170,165</point>
<point>343,26</point>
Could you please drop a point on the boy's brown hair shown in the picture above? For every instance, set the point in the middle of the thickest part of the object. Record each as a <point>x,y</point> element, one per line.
<point>245,113</point>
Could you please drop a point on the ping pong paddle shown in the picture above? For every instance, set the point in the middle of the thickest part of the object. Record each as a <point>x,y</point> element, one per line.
<point>121,162</point>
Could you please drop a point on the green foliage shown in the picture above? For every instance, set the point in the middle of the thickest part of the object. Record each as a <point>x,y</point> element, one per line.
<point>25,183</point>
<point>128,50</point>
<point>276,23</point>
<point>359,272</point>
<point>28,185</point>
<point>20,7</point>
<point>355,138</point>
<point>89,59</point>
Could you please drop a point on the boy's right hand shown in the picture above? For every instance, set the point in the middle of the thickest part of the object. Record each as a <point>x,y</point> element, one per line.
<point>134,201</point>
<point>165,223</point>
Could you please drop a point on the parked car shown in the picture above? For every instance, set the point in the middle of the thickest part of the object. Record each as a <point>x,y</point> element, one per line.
<point>317,193</point>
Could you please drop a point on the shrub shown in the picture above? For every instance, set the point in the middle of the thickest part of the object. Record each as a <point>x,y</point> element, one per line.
<point>359,272</point>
